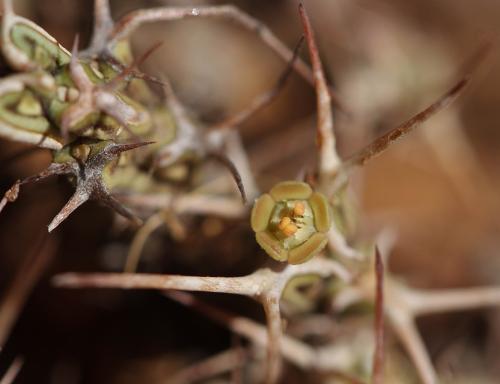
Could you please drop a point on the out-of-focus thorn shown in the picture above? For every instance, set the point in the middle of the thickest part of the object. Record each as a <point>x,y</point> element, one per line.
<point>116,149</point>
<point>226,162</point>
<point>13,371</point>
<point>378,357</point>
<point>329,161</point>
<point>382,143</point>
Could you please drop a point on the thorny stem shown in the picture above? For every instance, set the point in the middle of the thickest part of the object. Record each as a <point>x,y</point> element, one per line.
<point>424,302</point>
<point>188,137</point>
<point>103,24</point>
<point>271,304</point>
<point>337,243</point>
<point>187,204</point>
<point>404,304</point>
<point>135,19</point>
<point>248,285</point>
<point>7,7</point>
<point>90,185</point>
<point>218,136</point>
<point>13,192</point>
<point>329,161</point>
<point>94,98</point>
<point>255,285</point>
<point>204,144</point>
<point>132,68</point>
<point>410,303</point>
<point>263,285</point>
<point>293,350</point>
<point>407,332</point>
<point>378,358</point>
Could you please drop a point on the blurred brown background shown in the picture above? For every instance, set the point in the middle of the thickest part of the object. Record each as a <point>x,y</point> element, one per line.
<point>435,192</point>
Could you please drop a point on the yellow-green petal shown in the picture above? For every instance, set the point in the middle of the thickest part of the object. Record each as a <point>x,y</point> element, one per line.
<point>261,212</point>
<point>272,246</point>
<point>291,190</point>
<point>308,249</point>
<point>321,211</point>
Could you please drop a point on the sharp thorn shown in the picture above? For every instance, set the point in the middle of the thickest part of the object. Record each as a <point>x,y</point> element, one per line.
<point>119,208</point>
<point>78,198</point>
<point>119,148</point>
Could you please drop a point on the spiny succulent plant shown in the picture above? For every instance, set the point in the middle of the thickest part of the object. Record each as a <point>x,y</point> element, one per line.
<point>95,112</point>
<point>56,99</point>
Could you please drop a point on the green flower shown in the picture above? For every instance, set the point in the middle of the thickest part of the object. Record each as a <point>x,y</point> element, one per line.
<point>291,221</point>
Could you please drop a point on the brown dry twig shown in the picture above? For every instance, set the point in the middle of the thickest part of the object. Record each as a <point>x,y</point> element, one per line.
<point>378,357</point>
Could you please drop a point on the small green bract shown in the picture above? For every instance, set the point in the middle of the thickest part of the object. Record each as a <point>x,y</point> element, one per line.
<point>291,222</point>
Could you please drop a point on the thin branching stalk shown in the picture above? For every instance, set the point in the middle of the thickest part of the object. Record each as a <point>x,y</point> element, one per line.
<point>424,302</point>
<point>248,285</point>
<point>129,23</point>
<point>337,243</point>
<point>271,304</point>
<point>187,204</point>
<point>407,332</point>
<point>293,350</point>
<point>264,285</point>
<point>404,305</point>
<point>103,24</point>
